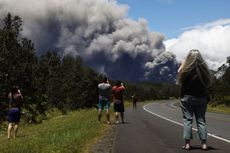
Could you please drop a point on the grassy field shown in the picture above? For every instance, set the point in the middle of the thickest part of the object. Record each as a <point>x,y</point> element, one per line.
<point>71,133</point>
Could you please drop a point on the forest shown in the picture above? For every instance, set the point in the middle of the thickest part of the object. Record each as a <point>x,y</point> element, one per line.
<point>65,82</point>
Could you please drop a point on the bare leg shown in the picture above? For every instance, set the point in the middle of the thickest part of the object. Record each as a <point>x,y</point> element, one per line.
<point>134,105</point>
<point>10,126</point>
<point>99,114</point>
<point>107,115</point>
<point>116,117</point>
<point>15,130</point>
<point>122,117</point>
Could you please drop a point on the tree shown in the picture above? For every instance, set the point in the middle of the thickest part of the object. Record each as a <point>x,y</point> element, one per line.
<point>17,58</point>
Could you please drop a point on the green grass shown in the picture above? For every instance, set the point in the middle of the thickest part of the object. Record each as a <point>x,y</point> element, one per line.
<point>221,108</point>
<point>69,133</point>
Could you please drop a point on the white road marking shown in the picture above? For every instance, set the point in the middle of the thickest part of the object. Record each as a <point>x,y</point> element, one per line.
<point>209,134</point>
<point>173,105</point>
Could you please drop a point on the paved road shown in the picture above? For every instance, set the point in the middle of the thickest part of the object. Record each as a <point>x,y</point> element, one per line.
<point>157,129</point>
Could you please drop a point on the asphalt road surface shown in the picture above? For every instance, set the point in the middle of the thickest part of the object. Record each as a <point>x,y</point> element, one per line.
<point>157,128</point>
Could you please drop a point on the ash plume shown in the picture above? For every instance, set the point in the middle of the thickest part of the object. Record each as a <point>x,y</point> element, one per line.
<point>97,30</point>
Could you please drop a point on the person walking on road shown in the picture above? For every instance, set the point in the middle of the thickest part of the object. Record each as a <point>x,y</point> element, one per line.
<point>104,90</point>
<point>118,91</point>
<point>14,113</point>
<point>135,99</point>
<point>195,80</point>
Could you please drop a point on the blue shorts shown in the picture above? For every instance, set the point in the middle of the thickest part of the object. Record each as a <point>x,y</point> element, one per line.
<point>103,103</point>
<point>14,115</point>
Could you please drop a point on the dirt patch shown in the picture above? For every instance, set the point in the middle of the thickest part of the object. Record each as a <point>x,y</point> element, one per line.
<point>105,143</point>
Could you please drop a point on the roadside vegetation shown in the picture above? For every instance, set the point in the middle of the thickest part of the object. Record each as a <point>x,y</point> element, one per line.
<point>68,133</point>
<point>221,107</point>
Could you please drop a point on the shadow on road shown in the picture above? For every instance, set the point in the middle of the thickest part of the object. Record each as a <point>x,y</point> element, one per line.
<point>196,147</point>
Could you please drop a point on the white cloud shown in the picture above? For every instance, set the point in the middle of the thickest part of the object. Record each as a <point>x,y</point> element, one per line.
<point>212,39</point>
<point>220,22</point>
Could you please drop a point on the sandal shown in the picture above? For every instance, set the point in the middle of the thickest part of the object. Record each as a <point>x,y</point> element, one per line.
<point>186,147</point>
<point>204,147</point>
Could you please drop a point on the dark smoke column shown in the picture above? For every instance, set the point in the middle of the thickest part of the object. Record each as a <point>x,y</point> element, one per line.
<point>98,31</point>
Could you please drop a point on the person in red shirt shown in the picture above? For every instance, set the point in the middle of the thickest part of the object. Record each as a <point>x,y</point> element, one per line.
<point>118,91</point>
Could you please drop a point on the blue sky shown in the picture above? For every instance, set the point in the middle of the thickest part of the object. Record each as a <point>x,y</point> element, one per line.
<point>171,16</point>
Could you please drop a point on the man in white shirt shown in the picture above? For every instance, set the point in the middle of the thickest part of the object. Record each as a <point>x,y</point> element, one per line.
<point>104,90</point>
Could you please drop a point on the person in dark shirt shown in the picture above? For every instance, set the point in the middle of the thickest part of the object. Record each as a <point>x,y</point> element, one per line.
<point>118,91</point>
<point>195,80</point>
<point>135,99</point>
<point>14,112</point>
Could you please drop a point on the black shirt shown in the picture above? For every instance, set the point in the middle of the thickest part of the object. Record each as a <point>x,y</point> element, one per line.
<point>15,100</point>
<point>192,85</point>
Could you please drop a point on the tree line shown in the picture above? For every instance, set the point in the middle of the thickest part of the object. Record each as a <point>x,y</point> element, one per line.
<point>46,81</point>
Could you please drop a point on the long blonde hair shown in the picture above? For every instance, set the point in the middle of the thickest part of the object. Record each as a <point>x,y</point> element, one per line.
<point>194,61</point>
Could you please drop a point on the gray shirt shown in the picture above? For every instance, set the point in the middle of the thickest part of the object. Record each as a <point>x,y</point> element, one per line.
<point>104,90</point>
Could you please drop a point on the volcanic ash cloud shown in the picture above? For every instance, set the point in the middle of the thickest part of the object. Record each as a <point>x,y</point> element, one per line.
<point>97,30</point>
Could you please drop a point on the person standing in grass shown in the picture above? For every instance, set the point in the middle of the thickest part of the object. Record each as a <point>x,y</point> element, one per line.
<point>14,113</point>
<point>195,80</point>
<point>104,90</point>
<point>118,91</point>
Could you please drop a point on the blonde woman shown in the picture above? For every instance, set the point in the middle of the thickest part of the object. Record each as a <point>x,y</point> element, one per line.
<point>195,79</point>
